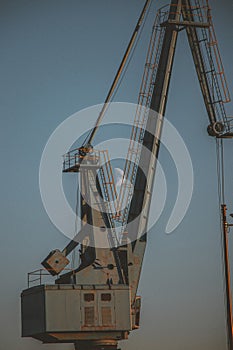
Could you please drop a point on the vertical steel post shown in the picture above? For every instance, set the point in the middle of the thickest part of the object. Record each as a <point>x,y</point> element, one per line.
<point>227,276</point>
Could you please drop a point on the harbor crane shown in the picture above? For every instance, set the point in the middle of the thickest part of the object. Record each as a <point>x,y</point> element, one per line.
<point>89,308</point>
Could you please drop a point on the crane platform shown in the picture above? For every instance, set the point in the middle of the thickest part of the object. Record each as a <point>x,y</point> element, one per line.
<point>68,313</point>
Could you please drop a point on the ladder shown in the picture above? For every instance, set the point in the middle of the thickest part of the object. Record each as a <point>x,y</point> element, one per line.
<point>142,110</point>
<point>207,59</point>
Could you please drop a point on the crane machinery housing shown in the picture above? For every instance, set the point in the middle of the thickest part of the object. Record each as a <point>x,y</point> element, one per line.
<point>92,309</point>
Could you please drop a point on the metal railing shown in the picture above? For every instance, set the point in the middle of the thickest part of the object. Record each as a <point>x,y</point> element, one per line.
<point>37,277</point>
<point>73,159</point>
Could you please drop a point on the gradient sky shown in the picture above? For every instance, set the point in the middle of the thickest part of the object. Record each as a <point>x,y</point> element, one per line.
<point>58,57</point>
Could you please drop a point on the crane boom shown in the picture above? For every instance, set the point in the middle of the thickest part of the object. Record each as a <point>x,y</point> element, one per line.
<point>140,203</point>
<point>207,62</point>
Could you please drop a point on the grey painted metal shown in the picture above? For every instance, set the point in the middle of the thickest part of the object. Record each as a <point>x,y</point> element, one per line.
<point>66,312</point>
<point>95,261</point>
<point>93,214</point>
<point>140,204</point>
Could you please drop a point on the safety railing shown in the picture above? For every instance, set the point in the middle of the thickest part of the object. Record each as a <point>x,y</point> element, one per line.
<point>200,12</point>
<point>38,277</point>
<point>73,159</point>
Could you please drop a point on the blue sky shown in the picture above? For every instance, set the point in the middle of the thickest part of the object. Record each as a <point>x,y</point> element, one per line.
<point>58,57</point>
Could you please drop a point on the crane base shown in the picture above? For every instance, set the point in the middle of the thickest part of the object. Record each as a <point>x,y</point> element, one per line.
<point>96,345</point>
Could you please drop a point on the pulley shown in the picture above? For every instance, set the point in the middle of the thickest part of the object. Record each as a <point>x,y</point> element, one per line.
<point>216,129</point>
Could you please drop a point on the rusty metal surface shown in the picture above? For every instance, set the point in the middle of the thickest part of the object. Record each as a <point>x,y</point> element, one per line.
<point>55,262</point>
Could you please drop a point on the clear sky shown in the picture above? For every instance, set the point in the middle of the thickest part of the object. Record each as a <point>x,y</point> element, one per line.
<point>58,57</point>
